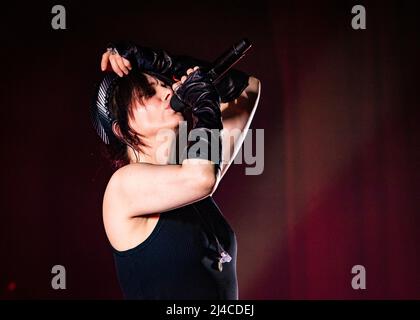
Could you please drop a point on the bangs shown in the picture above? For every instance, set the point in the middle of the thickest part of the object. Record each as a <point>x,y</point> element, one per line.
<point>140,87</point>
<point>131,88</point>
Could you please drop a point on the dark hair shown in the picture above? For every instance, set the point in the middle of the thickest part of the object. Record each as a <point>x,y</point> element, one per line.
<point>127,89</point>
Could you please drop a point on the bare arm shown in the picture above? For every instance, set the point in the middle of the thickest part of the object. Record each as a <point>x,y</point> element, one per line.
<point>142,188</point>
<point>236,117</point>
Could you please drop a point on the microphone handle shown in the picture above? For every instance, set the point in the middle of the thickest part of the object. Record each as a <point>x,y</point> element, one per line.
<point>228,59</point>
<point>221,65</point>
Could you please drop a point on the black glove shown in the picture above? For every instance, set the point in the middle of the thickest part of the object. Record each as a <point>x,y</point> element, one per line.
<point>159,62</point>
<point>201,95</point>
<point>143,58</point>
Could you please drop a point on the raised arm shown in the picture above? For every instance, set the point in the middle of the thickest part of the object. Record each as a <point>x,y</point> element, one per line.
<point>237,116</point>
<point>141,188</point>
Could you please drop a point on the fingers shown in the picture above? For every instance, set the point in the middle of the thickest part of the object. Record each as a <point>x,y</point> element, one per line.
<point>119,64</point>
<point>127,63</point>
<point>115,67</point>
<point>105,60</point>
<point>176,85</point>
<point>189,71</point>
<point>192,70</point>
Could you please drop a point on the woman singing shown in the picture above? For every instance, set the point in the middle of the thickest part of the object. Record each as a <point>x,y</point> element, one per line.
<point>169,238</point>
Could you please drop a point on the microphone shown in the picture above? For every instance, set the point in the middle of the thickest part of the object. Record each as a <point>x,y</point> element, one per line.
<point>220,66</point>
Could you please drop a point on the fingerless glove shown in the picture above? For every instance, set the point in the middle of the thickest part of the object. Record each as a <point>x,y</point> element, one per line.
<point>200,94</point>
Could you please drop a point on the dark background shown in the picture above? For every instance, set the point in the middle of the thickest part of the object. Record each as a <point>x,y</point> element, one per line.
<point>339,110</point>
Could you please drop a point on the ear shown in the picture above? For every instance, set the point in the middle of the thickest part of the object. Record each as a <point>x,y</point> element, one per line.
<point>116,130</point>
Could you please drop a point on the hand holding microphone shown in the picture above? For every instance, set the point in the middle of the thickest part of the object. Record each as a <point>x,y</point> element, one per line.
<point>198,92</point>
<point>220,67</point>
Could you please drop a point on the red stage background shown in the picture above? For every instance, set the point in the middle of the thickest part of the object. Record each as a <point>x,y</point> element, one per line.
<point>339,110</point>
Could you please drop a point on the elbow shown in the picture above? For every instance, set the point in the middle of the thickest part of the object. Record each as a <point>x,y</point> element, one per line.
<point>209,182</point>
<point>254,85</point>
<point>205,179</point>
<point>251,94</point>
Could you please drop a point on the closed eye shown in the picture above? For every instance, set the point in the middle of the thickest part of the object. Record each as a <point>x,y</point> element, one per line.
<point>163,84</point>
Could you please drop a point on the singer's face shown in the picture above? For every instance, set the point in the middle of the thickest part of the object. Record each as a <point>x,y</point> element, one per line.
<point>155,113</point>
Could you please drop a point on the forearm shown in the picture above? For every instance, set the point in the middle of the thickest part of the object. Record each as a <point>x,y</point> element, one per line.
<point>237,117</point>
<point>244,104</point>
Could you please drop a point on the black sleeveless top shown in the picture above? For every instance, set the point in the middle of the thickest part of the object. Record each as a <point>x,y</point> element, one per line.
<point>180,258</point>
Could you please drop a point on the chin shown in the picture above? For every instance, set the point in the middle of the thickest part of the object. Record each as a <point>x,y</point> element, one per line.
<point>173,124</point>
<point>178,117</point>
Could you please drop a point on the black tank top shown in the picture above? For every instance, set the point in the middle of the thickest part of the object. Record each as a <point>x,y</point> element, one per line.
<point>180,258</point>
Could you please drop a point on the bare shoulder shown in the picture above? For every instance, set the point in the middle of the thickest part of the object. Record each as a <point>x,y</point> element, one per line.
<point>145,188</point>
<point>115,213</point>
<point>124,231</point>
<point>124,175</point>
<point>116,188</point>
